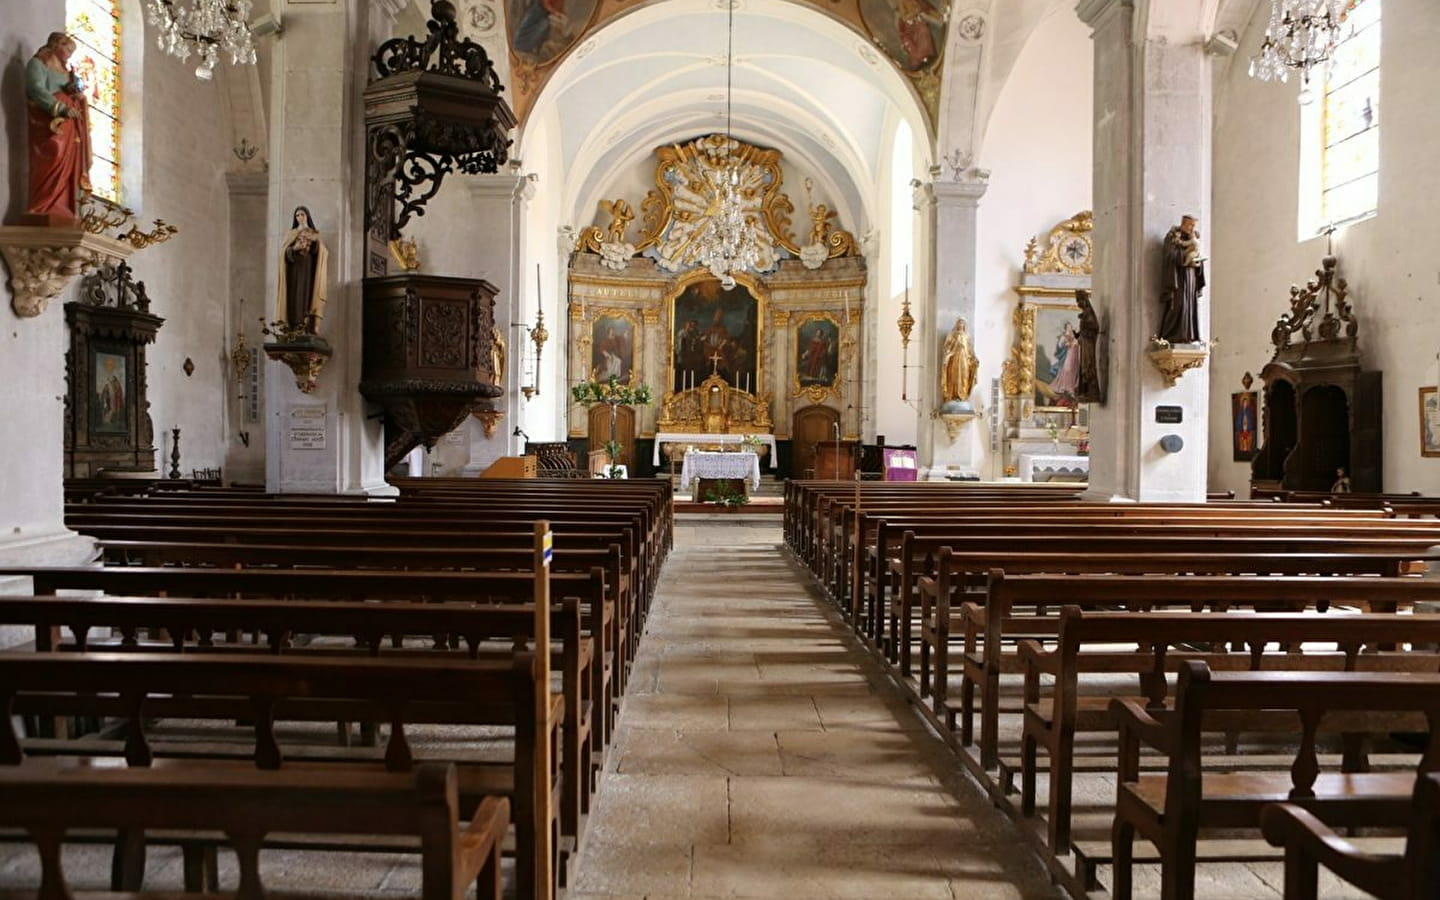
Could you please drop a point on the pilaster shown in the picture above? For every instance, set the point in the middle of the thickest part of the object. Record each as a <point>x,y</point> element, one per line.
<point>953,208</point>
<point>323,441</point>
<point>1152,127</point>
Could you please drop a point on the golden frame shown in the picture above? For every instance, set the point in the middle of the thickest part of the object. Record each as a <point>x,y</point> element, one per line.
<point>637,349</point>
<point>1017,377</point>
<point>757,289</point>
<point>1429,448</point>
<point>817,392</point>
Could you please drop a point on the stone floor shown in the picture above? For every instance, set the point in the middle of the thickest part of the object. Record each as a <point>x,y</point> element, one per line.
<point>761,754</point>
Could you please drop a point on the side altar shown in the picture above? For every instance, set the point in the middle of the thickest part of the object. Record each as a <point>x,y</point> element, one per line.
<point>770,352</point>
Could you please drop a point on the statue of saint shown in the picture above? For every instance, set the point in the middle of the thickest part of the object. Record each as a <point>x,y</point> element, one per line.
<point>1184,279</point>
<point>59,132</point>
<point>497,356</point>
<point>1089,389</point>
<point>300,300</point>
<point>957,375</point>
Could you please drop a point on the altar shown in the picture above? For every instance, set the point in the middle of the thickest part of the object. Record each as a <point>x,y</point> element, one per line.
<point>678,437</point>
<point>704,465</point>
<point>1054,467</point>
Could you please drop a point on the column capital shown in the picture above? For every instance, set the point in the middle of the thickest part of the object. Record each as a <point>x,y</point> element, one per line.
<point>1095,12</point>
<point>960,193</point>
<point>253,184</point>
<point>502,186</point>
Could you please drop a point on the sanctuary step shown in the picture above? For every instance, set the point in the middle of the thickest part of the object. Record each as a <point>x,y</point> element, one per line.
<point>771,488</point>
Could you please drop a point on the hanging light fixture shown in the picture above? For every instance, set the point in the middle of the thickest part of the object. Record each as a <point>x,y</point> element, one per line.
<point>203,27</point>
<point>725,244</point>
<point>1301,35</point>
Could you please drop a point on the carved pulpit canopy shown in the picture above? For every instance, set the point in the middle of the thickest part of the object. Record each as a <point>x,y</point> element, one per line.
<point>685,205</point>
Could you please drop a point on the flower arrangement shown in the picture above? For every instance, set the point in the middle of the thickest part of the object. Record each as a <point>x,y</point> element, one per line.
<point>615,394</point>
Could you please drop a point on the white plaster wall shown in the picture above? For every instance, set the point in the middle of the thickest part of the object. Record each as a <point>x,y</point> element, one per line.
<point>186,152</point>
<point>1390,260</point>
<point>1038,150</point>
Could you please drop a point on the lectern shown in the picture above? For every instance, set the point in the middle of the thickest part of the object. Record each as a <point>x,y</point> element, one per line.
<point>835,460</point>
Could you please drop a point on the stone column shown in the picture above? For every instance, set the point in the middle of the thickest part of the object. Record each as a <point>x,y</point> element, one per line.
<point>1152,151</point>
<point>952,209</point>
<point>324,441</point>
<point>494,233</point>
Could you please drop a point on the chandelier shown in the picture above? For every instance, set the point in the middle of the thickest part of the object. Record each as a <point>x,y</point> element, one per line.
<point>203,27</point>
<point>1301,35</point>
<point>724,244</point>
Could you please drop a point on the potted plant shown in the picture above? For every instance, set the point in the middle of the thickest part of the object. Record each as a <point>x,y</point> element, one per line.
<point>615,394</point>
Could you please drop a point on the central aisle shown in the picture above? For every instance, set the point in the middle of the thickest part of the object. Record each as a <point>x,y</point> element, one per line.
<point>760,753</point>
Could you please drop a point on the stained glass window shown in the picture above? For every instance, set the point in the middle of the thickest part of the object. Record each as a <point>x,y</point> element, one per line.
<point>95,25</point>
<point>1350,164</point>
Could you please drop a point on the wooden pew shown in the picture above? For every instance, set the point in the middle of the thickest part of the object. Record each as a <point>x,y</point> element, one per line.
<point>264,688</point>
<point>49,800</point>
<point>1161,642</point>
<point>622,616</point>
<point>908,605</point>
<point>357,585</point>
<point>1310,843</point>
<point>1171,809</point>
<point>992,630</point>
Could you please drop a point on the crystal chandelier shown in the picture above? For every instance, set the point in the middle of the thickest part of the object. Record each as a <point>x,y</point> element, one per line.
<point>1301,35</point>
<point>203,27</point>
<point>725,245</point>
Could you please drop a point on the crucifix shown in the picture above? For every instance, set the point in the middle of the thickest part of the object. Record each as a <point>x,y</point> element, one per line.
<point>715,363</point>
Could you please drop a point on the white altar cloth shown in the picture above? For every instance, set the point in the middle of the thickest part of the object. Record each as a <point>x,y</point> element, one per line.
<point>676,437</point>
<point>700,464</point>
<point>1052,464</point>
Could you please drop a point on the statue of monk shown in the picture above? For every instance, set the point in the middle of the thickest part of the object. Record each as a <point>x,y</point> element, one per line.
<point>59,133</point>
<point>1184,279</point>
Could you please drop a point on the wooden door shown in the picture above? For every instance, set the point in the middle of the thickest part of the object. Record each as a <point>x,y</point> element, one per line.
<point>810,425</point>
<point>599,431</point>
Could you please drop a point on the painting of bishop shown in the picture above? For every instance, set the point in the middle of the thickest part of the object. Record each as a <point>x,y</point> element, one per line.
<point>715,330</point>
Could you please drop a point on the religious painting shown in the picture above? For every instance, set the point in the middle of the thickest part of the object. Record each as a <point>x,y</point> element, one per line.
<point>715,330</point>
<point>107,401</point>
<point>1057,356</point>
<point>911,32</point>
<point>1243,422</point>
<point>817,355</point>
<point>612,346</point>
<point>541,31</point>
<point>1429,422</point>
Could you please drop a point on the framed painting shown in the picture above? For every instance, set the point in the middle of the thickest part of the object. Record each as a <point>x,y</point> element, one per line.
<point>1056,356</point>
<point>1429,421</point>
<point>911,32</point>
<point>715,330</point>
<point>1243,422</point>
<point>817,356</point>
<point>612,345</point>
<point>110,377</point>
<point>541,31</point>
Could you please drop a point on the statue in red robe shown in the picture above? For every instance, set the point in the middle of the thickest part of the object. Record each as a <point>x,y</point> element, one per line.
<point>59,133</point>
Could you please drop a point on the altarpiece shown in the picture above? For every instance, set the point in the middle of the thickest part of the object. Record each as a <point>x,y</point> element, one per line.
<point>776,346</point>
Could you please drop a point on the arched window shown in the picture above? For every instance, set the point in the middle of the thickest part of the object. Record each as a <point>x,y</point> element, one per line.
<point>95,25</point>
<point>902,208</point>
<point>1340,128</point>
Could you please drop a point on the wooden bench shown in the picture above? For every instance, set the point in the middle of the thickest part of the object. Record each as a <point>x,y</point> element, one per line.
<point>1160,642</point>
<point>265,689</point>
<point>1310,843</point>
<point>1171,809</point>
<point>47,800</point>
<point>992,630</point>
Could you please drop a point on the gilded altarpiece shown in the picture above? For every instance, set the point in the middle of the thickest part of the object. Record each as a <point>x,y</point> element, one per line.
<point>1040,379</point>
<point>736,358</point>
